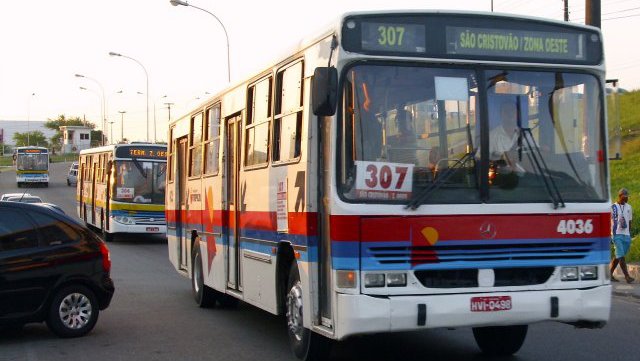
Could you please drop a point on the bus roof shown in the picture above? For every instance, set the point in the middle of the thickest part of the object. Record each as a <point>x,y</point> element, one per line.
<point>334,27</point>
<point>112,147</point>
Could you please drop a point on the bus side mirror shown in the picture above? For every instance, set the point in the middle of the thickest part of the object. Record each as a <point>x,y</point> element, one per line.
<point>324,87</point>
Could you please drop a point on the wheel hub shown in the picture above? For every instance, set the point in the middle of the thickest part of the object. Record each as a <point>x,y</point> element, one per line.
<point>294,311</point>
<point>75,311</point>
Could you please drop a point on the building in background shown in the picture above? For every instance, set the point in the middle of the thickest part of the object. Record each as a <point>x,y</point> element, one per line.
<point>75,138</point>
<point>9,127</point>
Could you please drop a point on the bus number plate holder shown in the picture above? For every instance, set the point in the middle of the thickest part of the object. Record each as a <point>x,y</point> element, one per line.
<point>491,304</point>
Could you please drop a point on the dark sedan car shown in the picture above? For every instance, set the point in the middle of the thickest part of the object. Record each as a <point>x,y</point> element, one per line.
<point>52,269</point>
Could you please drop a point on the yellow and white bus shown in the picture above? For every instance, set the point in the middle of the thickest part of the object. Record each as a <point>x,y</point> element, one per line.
<point>121,187</point>
<point>367,183</point>
<point>32,165</point>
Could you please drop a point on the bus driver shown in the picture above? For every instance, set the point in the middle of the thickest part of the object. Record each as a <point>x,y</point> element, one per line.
<point>503,138</point>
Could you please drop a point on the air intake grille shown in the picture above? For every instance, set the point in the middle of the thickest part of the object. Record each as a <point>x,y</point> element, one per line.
<point>444,254</point>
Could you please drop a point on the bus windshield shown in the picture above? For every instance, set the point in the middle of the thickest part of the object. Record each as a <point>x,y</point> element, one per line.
<point>32,162</point>
<point>410,131</point>
<point>139,181</point>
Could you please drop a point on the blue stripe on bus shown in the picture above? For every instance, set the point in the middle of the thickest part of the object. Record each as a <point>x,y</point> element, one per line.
<point>347,254</point>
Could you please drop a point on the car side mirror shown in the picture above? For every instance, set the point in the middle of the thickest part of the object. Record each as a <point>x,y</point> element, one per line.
<point>324,87</point>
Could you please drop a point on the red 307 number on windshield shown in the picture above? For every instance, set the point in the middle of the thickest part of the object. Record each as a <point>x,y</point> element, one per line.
<point>383,180</point>
<point>384,176</point>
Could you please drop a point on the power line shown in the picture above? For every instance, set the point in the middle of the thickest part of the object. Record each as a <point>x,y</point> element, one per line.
<point>621,17</point>
<point>621,11</point>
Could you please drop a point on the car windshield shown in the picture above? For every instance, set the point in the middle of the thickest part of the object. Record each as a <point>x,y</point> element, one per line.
<point>139,181</point>
<point>413,135</point>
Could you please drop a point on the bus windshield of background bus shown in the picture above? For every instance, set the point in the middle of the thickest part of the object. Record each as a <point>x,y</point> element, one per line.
<point>410,130</point>
<point>32,162</point>
<point>141,183</point>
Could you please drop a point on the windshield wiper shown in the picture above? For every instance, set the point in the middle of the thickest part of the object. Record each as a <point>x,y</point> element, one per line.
<point>536,158</point>
<point>139,166</point>
<point>441,180</point>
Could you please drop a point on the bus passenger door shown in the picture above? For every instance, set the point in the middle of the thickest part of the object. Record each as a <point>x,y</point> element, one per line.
<point>181,202</point>
<point>232,168</point>
<point>94,191</point>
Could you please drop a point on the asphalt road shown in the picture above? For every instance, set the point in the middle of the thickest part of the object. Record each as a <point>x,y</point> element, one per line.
<point>153,317</point>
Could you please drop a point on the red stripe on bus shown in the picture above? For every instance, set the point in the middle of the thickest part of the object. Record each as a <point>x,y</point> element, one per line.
<point>443,228</point>
<point>299,223</point>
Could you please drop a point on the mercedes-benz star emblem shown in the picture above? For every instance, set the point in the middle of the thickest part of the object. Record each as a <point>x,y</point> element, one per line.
<point>488,230</point>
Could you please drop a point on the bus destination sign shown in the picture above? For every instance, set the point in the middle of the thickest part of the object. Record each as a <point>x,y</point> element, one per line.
<point>406,38</point>
<point>33,151</point>
<point>141,152</point>
<point>515,43</point>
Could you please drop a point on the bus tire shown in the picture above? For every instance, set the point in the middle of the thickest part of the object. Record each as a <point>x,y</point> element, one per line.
<point>107,237</point>
<point>500,340</point>
<point>205,296</point>
<point>305,344</point>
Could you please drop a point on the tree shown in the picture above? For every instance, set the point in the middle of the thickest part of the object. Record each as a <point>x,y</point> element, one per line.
<point>35,137</point>
<point>55,124</point>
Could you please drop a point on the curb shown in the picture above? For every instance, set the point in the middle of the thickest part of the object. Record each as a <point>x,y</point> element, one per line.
<point>629,294</point>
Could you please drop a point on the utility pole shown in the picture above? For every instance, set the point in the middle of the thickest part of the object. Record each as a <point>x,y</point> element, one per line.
<point>122,124</point>
<point>593,13</point>
<point>566,10</point>
<point>169,109</point>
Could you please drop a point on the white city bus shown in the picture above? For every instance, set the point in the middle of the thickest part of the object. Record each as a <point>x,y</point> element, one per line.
<point>367,183</point>
<point>32,165</point>
<point>120,189</point>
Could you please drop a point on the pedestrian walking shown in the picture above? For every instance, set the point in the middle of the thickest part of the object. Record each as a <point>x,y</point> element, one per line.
<point>621,215</point>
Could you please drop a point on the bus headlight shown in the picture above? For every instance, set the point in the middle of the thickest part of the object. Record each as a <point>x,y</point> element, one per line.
<point>124,220</point>
<point>569,273</point>
<point>588,273</point>
<point>396,279</point>
<point>374,280</point>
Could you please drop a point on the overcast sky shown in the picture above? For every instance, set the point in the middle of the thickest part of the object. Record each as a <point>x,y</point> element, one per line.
<point>43,43</point>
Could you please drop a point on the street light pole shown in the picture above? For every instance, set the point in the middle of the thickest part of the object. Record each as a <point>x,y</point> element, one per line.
<point>122,125</point>
<point>169,109</point>
<point>104,128</point>
<point>104,105</point>
<point>184,3</point>
<point>154,117</point>
<point>111,133</point>
<point>29,117</point>
<point>147,76</point>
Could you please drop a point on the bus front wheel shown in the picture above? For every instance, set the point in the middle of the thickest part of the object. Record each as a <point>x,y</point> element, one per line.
<point>305,344</point>
<point>500,340</point>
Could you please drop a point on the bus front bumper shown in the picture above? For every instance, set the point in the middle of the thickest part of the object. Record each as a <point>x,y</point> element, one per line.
<point>362,314</point>
<point>116,227</point>
<point>33,178</point>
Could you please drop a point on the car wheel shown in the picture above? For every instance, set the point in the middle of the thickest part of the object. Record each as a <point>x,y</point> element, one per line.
<point>500,340</point>
<point>73,312</point>
<point>305,344</point>
<point>204,295</point>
